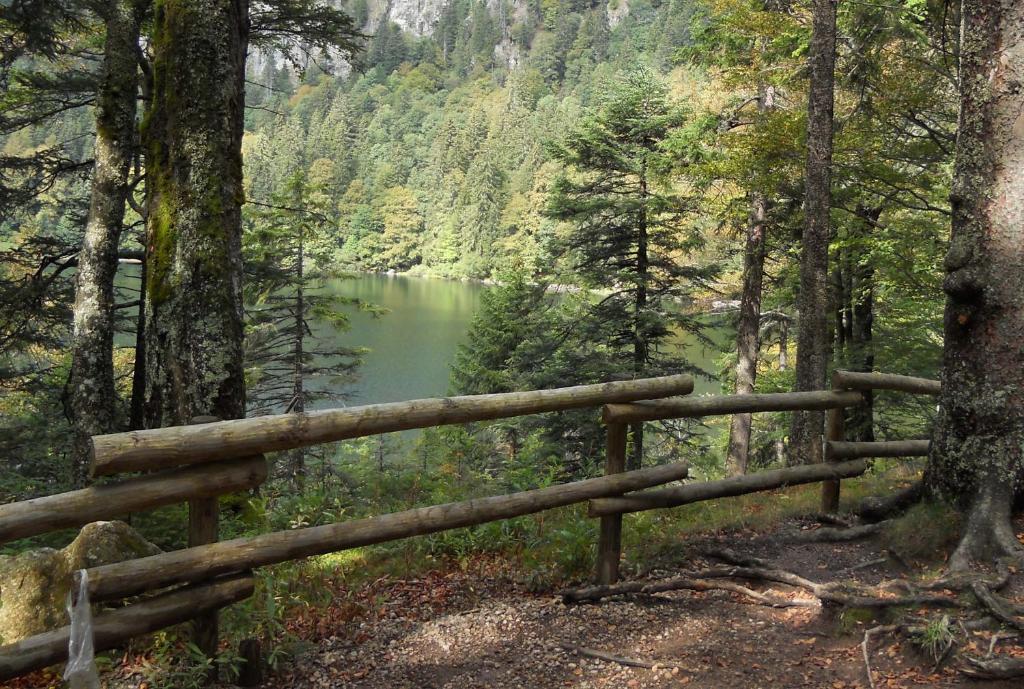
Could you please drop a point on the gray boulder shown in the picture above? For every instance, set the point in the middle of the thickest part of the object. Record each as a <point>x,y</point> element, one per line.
<point>34,584</point>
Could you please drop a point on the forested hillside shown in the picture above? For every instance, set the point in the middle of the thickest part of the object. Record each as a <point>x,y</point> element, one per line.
<point>437,145</point>
<point>634,195</point>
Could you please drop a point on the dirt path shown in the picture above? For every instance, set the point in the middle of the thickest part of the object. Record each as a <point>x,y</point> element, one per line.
<point>445,632</point>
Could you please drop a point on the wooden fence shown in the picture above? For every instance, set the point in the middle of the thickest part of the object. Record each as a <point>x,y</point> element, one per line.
<point>199,462</point>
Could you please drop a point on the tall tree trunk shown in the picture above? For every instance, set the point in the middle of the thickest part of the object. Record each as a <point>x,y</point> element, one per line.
<point>978,449</point>
<point>812,337</point>
<point>298,403</point>
<point>639,335</point>
<point>91,394</point>
<point>137,410</point>
<point>747,340</point>
<point>194,187</point>
<point>860,420</point>
<point>780,443</point>
<point>749,323</point>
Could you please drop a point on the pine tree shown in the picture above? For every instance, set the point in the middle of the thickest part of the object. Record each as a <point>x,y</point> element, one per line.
<point>292,318</point>
<point>629,232</point>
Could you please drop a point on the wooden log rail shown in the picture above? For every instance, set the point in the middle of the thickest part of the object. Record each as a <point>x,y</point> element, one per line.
<point>204,562</point>
<point>852,380</point>
<point>717,405</point>
<point>736,485</point>
<point>112,627</point>
<point>162,448</point>
<point>79,507</point>
<point>837,450</point>
<point>227,455</point>
<point>835,447</point>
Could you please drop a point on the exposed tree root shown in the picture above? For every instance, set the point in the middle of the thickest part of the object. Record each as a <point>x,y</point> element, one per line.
<point>875,509</point>
<point>837,593</point>
<point>835,520</point>
<point>836,535</point>
<point>865,651</point>
<point>988,534</point>
<point>595,593</point>
<point>888,594</point>
<point>1000,608</point>
<point>994,668</point>
<point>621,660</point>
<point>964,580</point>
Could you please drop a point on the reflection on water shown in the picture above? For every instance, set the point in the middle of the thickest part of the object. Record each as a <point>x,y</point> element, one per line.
<point>414,343</point>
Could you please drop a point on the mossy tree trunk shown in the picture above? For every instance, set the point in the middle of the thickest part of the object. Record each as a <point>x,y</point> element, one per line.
<point>978,449</point>
<point>812,336</point>
<point>194,185</point>
<point>92,400</point>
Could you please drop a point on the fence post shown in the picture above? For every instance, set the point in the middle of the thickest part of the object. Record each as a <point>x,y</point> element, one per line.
<point>833,431</point>
<point>609,545</point>
<point>203,528</point>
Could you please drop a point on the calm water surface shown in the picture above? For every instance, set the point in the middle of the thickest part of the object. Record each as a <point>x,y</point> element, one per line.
<point>414,344</point>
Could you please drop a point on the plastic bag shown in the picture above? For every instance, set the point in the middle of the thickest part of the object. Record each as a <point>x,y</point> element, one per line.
<point>81,670</point>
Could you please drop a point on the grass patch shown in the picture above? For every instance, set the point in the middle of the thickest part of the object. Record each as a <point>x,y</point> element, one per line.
<point>926,532</point>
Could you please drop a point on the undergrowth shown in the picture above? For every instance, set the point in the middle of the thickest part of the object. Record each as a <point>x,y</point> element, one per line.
<point>540,552</point>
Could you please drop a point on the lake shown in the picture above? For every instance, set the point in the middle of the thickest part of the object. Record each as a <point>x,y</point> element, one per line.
<point>413,345</point>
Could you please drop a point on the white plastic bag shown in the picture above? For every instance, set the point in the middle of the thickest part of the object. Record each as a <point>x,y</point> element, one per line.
<point>81,670</point>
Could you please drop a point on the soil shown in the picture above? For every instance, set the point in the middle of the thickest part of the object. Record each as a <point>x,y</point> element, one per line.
<point>480,626</point>
<point>467,631</point>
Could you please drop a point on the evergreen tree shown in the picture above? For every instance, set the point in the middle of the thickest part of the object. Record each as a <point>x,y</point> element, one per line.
<point>629,232</point>
<point>293,318</point>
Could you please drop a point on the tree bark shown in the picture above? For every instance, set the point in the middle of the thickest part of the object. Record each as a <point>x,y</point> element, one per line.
<point>812,337</point>
<point>860,420</point>
<point>978,450</point>
<point>194,186</point>
<point>91,394</point>
<point>747,340</point>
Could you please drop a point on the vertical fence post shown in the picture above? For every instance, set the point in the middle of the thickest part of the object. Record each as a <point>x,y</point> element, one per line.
<point>609,545</point>
<point>833,431</point>
<point>203,528</point>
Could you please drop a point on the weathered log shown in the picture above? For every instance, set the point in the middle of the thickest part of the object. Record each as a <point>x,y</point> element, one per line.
<point>113,627</point>
<point>728,404</point>
<point>835,450</point>
<point>852,380</point>
<point>204,562</point>
<point>78,507</point>
<point>160,448</point>
<point>609,544</point>
<point>830,489</point>
<point>737,485</point>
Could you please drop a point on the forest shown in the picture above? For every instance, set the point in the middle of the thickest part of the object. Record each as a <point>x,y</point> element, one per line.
<point>199,200</point>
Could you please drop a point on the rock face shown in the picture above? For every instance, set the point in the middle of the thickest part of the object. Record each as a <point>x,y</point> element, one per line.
<point>417,17</point>
<point>34,585</point>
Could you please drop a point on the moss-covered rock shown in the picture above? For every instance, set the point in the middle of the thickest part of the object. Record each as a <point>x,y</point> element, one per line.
<point>34,585</point>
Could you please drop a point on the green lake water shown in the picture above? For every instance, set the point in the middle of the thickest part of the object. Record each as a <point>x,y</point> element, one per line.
<point>413,345</point>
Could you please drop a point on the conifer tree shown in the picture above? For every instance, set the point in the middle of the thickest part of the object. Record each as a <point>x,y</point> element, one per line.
<point>629,232</point>
<point>292,319</point>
